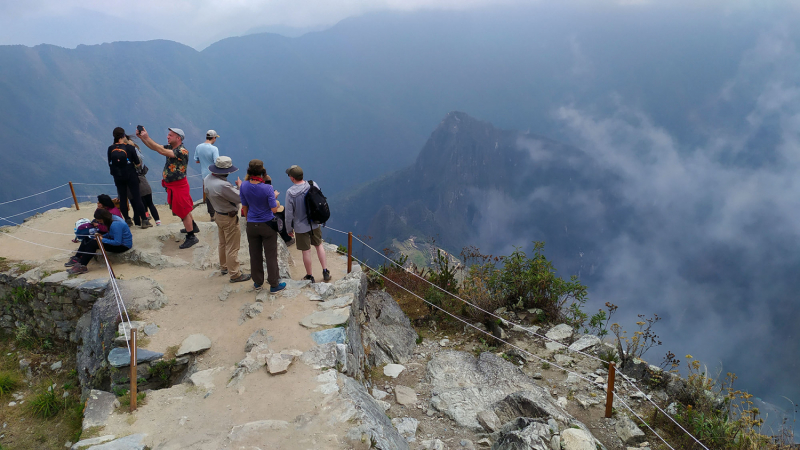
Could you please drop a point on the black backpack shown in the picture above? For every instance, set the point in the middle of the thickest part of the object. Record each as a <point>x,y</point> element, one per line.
<point>118,160</point>
<point>317,209</point>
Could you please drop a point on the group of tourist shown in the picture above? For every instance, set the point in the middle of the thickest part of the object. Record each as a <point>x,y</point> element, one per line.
<point>255,199</point>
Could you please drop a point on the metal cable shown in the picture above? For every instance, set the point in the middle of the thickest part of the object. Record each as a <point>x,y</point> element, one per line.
<point>46,246</point>
<point>466,302</point>
<point>33,195</point>
<point>514,346</point>
<point>34,209</point>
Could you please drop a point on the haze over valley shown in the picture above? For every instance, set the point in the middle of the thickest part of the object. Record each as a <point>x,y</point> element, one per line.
<point>655,149</point>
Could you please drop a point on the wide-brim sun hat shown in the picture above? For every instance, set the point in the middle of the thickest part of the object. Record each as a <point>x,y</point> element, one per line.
<point>223,165</point>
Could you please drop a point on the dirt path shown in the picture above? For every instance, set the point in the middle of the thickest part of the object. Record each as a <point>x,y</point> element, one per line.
<point>186,416</point>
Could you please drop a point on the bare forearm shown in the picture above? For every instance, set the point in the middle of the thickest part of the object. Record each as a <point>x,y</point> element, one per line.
<point>158,148</point>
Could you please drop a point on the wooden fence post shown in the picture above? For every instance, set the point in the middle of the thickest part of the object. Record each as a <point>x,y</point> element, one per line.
<point>349,251</point>
<point>610,390</point>
<point>74,197</point>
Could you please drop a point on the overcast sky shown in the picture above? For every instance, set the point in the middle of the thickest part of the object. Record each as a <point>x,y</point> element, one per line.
<point>199,23</point>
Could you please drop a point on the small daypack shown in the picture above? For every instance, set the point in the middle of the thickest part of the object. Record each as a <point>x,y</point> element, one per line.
<point>117,161</point>
<point>317,209</point>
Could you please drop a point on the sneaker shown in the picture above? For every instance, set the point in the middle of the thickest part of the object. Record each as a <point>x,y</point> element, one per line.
<point>256,287</point>
<point>129,222</point>
<point>240,278</point>
<point>158,223</point>
<point>72,261</point>
<point>309,277</point>
<point>146,224</point>
<point>78,269</point>
<point>190,241</point>
<point>278,288</point>
<point>224,271</point>
<point>326,275</point>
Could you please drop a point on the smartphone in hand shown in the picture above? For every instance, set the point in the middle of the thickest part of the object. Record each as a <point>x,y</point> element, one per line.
<point>140,128</point>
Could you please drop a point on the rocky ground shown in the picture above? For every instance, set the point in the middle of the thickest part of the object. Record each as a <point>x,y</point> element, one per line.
<point>268,371</point>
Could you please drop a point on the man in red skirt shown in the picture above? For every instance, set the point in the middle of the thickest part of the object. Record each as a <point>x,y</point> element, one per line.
<point>174,178</point>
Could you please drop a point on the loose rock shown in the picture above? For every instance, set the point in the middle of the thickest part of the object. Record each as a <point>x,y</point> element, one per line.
<point>195,343</point>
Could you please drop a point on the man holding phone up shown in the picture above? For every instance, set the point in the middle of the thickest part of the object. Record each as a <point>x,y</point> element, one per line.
<point>174,178</point>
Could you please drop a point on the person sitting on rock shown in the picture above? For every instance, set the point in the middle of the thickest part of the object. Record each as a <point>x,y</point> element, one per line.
<point>118,240</point>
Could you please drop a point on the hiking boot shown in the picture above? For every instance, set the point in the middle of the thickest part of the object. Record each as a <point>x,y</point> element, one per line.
<point>190,241</point>
<point>223,271</point>
<point>240,278</point>
<point>326,275</point>
<point>146,224</point>
<point>78,269</point>
<point>278,288</point>
<point>129,222</point>
<point>72,261</point>
<point>196,230</point>
<point>309,277</point>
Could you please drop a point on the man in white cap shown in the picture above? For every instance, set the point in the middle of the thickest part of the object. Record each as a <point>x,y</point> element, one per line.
<point>174,178</point>
<point>225,198</point>
<point>206,154</point>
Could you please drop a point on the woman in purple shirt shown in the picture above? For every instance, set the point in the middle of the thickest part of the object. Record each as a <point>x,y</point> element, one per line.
<point>259,205</point>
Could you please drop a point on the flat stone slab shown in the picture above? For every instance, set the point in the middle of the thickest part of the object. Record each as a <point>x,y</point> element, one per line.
<point>278,363</point>
<point>57,277</point>
<point>241,432</point>
<point>86,443</point>
<point>121,357</point>
<point>339,302</point>
<point>585,342</point>
<point>258,337</point>
<point>323,289</point>
<point>194,344</point>
<point>150,329</point>
<point>393,370</point>
<point>205,378</point>
<point>132,442</point>
<point>295,284</point>
<point>99,406</point>
<point>320,356</point>
<point>98,285</point>
<point>560,332</point>
<point>405,395</point>
<point>336,335</point>
<point>331,317</point>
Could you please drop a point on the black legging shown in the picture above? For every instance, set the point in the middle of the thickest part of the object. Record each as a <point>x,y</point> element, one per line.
<point>89,247</point>
<point>147,201</point>
<point>130,180</point>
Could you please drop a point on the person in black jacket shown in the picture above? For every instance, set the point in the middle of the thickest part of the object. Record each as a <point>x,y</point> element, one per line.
<point>122,162</point>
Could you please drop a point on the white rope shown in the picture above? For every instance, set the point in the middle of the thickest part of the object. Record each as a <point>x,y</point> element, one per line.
<point>93,184</point>
<point>514,346</point>
<point>34,209</point>
<point>117,297</point>
<point>468,303</point>
<point>46,246</point>
<point>36,229</point>
<point>33,195</point>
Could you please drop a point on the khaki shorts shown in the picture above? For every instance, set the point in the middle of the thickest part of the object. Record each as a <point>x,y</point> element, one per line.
<point>304,241</point>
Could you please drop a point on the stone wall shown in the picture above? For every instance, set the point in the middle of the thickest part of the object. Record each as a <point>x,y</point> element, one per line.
<point>49,307</point>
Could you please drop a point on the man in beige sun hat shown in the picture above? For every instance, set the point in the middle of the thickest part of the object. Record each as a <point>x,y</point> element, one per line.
<point>224,197</point>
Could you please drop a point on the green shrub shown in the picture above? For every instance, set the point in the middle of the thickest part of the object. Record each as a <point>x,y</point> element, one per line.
<point>46,403</point>
<point>9,383</point>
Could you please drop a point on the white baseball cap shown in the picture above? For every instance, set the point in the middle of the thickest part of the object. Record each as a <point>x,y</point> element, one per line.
<point>212,134</point>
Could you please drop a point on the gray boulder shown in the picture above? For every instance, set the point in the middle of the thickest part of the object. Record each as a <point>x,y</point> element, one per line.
<point>374,422</point>
<point>524,434</point>
<point>575,439</point>
<point>132,442</point>
<point>462,386</point>
<point>628,431</point>
<point>560,332</point>
<point>387,332</point>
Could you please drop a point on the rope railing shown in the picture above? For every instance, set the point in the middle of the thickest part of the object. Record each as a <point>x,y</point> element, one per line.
<point>33,195</point>
<point>460,319</point>
<point>518,327</point>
